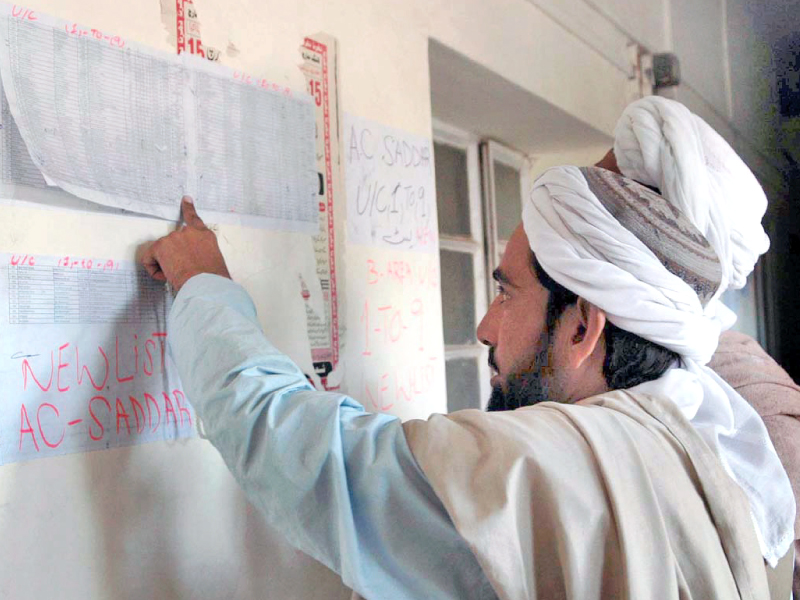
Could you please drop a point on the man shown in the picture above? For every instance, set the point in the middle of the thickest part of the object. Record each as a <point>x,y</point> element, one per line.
<point>657,141</point>
<point>741,362</point>
<point>602,494</point>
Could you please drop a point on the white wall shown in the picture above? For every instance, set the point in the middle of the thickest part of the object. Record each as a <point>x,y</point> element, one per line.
<point>698,40</point>
<point>754,109</point>
<point>648,21</point>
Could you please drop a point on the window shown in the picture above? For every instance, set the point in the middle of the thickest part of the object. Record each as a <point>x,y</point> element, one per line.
<point>505,177</point>
<point>479,198</point>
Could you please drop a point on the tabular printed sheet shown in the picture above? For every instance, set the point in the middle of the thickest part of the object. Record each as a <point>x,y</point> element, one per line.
<point>21,179</point>
<point>238,168</point>
<point>128,127</point>
<point>17,167</point>
<point>84,363</point>
<point>102,122</point>
<point>97,293</point>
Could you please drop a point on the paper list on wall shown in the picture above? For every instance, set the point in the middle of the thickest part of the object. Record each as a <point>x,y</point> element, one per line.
<point>391,197</point>
<point>124,126</point>
<point>52,295</point>
<point>17,166</point>
<point>238,168</point>
<point>94,116</point>
<point>20,179</point>
<point>83,359</point>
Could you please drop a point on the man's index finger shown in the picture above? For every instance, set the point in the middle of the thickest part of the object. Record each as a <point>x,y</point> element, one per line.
<point>190,216</point>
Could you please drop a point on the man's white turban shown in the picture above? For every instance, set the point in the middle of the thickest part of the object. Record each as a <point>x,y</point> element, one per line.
<point>657,266</point>
<point>659,142</point>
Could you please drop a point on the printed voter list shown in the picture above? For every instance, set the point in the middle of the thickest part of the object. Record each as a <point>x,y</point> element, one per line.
<point>84,363</point>
<point>125,126</point>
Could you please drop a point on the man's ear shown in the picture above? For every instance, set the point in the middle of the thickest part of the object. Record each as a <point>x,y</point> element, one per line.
<point>609,161</point>
<point>588,325</point>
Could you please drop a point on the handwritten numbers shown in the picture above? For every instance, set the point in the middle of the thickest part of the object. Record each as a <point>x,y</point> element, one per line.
<point>372,273</point>
<point>386,325</point>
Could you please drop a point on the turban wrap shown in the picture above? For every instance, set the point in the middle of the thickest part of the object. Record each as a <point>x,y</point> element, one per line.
<point>657,265</point>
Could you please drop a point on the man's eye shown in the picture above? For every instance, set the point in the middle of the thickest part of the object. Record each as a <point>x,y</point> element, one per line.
<point>502,293</point>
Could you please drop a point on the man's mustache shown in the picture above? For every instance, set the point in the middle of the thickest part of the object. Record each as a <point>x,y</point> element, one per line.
<point>492,364</point>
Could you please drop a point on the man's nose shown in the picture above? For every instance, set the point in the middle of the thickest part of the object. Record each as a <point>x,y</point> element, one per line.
<point>486,331</point>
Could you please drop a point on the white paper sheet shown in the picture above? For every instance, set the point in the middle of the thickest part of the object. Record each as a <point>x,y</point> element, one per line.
<point>17,166</point>
<point>125,126</point>
<point>83,358</point>
<point>254,148</point>
<point>391,194</point>
<point>395,358</point>
<point>21,182</point>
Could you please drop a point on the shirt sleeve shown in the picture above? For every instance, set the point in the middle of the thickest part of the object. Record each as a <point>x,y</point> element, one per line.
<point>341,484</point>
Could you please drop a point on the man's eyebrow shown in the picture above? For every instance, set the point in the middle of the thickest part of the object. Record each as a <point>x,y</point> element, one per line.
<point>500,277</point>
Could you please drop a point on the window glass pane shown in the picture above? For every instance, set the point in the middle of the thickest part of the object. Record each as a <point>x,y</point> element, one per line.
<point>452,189</point>
<point>458,297</point>
<point>463,389</point>
<point>744,303</point>
<point>508,199</point>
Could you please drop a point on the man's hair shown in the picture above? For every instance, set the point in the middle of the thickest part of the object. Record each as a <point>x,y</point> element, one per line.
<point>630,359</point>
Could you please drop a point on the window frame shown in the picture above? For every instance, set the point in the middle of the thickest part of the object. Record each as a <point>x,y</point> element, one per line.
<point>490,153</point>
<point>473,244</point>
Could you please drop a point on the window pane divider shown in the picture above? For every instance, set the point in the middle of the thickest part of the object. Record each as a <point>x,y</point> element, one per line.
<point>464,245</point>
<point>463,351</point>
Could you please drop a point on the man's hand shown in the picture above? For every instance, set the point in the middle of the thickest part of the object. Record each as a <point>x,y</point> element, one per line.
<point>182,254</point>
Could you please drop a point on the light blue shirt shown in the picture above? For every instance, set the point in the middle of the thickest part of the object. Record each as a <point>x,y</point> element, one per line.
<point>340,483</point>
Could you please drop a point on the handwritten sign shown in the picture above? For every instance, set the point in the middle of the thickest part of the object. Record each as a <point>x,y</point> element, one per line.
<point>83,358</point>
<point>391,200</point>
<point>396,333</point>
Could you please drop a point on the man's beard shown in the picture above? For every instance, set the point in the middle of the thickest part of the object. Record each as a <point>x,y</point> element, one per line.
<point>527,388</point>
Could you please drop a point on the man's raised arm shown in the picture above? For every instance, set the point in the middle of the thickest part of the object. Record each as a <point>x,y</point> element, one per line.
<point>340,483</point>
